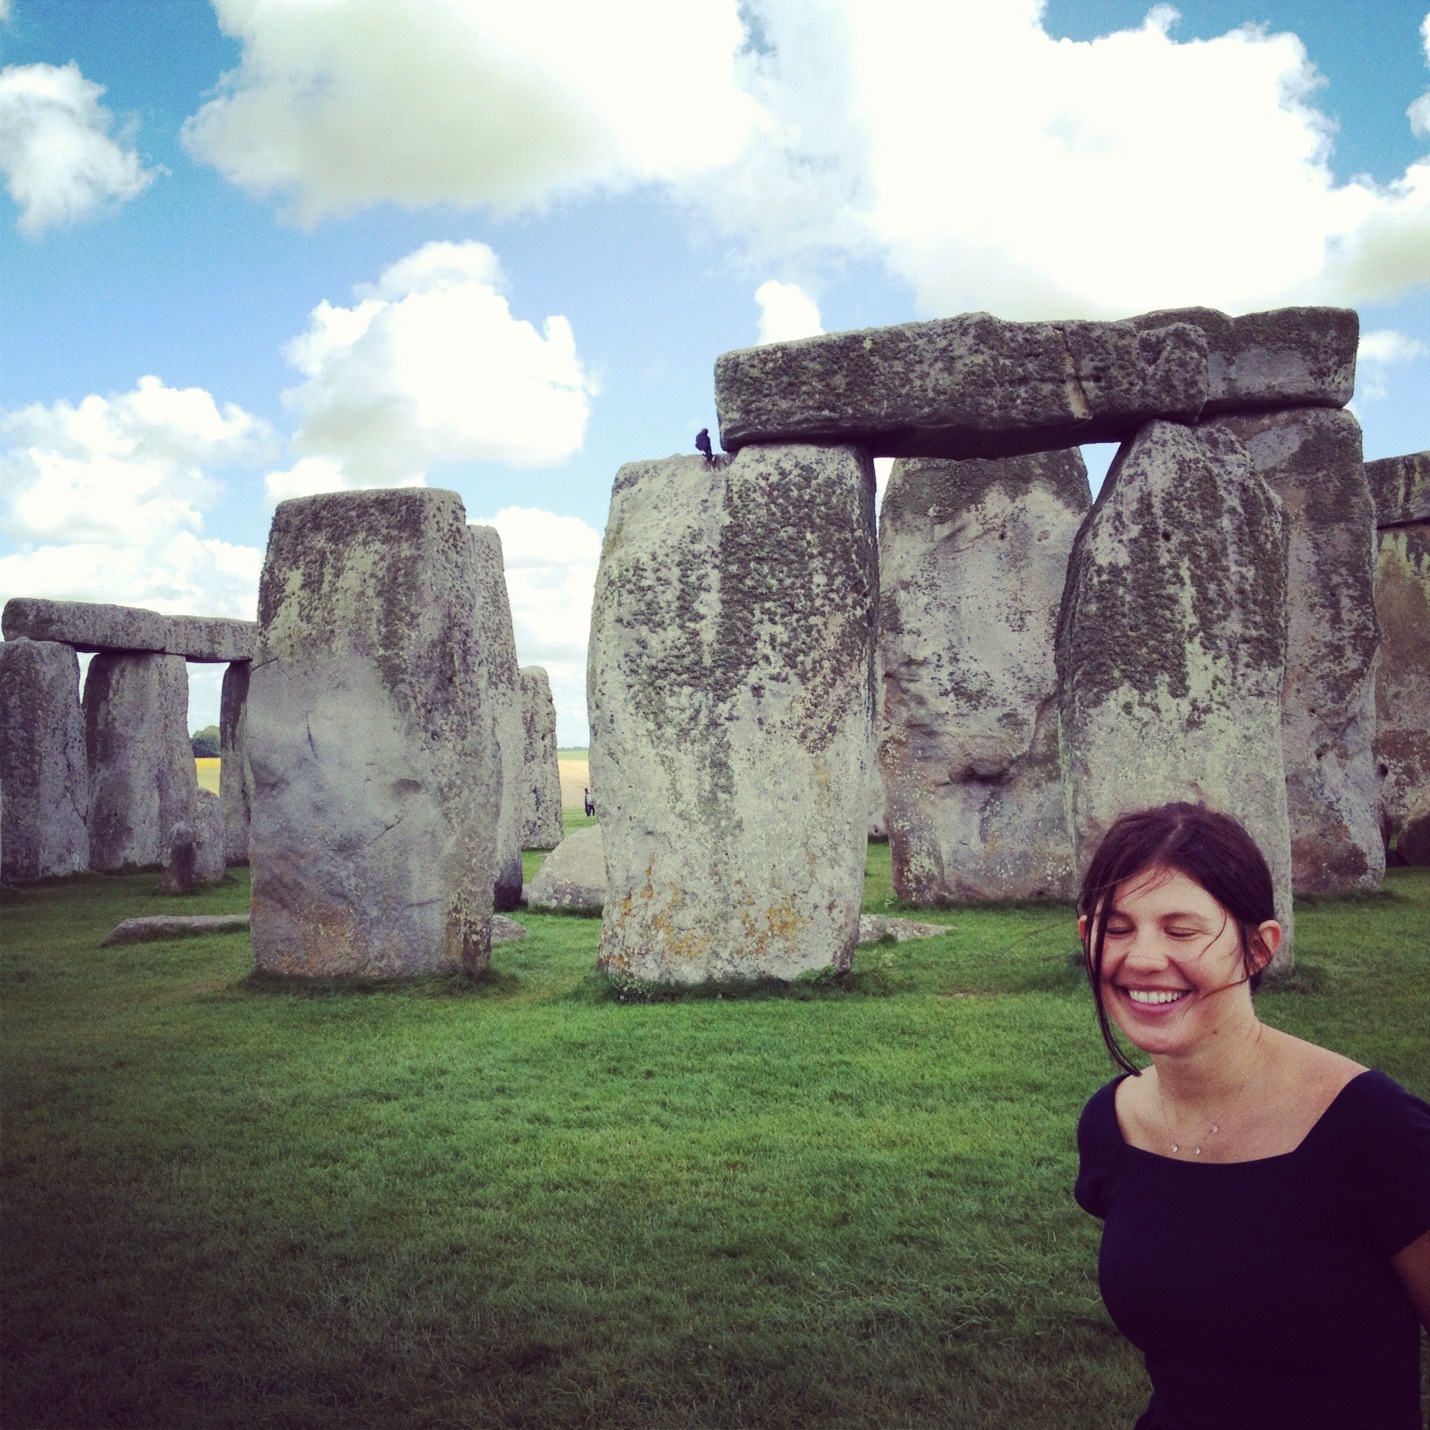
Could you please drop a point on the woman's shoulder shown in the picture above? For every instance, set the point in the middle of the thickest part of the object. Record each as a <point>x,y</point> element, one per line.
<point>1099,1142</point>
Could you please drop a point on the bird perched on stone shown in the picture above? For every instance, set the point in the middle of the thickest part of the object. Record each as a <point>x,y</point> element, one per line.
<point>702,444</point>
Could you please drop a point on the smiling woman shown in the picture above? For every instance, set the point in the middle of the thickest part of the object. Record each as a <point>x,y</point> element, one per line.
<point>1293,1182</point>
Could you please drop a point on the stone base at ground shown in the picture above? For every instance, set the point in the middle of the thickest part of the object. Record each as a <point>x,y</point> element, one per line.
<point>572,878</point>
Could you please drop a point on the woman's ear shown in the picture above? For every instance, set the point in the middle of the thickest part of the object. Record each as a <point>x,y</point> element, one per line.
<point>1082,928</point>
<point>1264,943</point>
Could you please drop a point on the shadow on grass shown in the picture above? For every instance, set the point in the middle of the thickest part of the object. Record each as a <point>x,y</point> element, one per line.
<point>489,984</point>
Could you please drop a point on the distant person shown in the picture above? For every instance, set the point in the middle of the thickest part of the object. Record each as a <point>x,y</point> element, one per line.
<point>1266,1202</point>
<point>590,805</point>
<point>702,445</point>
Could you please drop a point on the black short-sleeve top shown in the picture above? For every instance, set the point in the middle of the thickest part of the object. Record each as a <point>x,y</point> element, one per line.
<point>1261,1293</point>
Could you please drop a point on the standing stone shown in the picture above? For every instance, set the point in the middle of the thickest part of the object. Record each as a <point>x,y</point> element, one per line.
<point>142,780</point>
<point>1401,488</point>
<point>730,687</point>
<point>541,785</point>
<point>209,848</point>
<point>1311,458</point>
<point>43,771</point>
<point>235,780</point>
<point>972,560</point>
<point>370,741</point>
<point>496,644</point>
<point>178,862</point>
<point>1171,645</point>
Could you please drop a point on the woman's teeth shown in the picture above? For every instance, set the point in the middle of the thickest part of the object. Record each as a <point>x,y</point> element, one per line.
<point>1158,996</point>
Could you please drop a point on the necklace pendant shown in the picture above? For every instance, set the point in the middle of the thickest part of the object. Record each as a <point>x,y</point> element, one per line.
<point>1213,1128</point>
<point>1175,1149</point>
<point>1196,1151</point>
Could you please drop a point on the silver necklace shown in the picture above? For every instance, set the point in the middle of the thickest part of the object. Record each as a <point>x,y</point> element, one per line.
<point>1214,1126</point>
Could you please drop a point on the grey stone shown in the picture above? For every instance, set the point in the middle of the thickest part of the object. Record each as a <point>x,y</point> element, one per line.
<point>496,644</point>
<point>572,878</point>
<point>1171,646</point>
<point>1311,458</point>
<point>972,560</point>
<point>90,626</point>
<point>1415,831</point>
<point>370,742</point>
<point>878,928</point>
<point>505,930</point>
<point>154,927</point>
<point>1402,678</point>
<point>235,779</point>
<point>541,792</point>
<point>1400,489</point>
<point>142,780</point>
<point>180,875</point>
<point>209,847</point>
<point>970,386</point>
<point>43,771</point>
<point>730,690</point>
<point>1286,357</point>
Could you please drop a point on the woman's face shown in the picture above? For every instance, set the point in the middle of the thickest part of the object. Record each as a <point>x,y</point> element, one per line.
<point>1172,967</point>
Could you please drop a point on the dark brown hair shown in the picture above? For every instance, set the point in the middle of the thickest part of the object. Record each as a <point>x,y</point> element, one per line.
<point>1211,849</point>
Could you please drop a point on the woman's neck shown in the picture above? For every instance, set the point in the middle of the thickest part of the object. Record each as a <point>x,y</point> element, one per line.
<point>1218,1068</point>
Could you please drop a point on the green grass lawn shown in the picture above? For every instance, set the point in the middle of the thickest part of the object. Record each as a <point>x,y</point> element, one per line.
<point>523,1202</point>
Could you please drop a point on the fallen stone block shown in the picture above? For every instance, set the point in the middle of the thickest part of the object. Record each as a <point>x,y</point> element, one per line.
<point>91,626</point>
<point>972,560</point>
<point>881,928</point>
<point>1171,645</point>
<point>572,878</point>
<point>370,742</point>
<point>505,930</point>
<point>730,690</point>
<point>970,386</point>
<point>154,927</point>
<point>44,776</point>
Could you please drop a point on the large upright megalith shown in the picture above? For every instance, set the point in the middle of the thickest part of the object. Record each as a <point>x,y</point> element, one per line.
<point>730,693</point>
<point>1311,458</point>
<point>972,560</point>
<point>541,783</point>
<point>1400,487</point>
<point>235,781</point>
<point>44,777</point>
<point>370,741</point>
<point>142,780</point>
<point>496,644</point>
<point>1171,645</point>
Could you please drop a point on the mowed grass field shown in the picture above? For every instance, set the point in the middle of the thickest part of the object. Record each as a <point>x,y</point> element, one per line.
<point>525,1202</point>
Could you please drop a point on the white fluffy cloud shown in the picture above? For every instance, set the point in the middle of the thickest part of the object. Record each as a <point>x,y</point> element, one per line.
<point>786,312</point>
<point>59,161</point>
<point>106,500</point>
<point>1377,352</point>
<point>551,565</point>
<point>994,166</point>
<point>430,365</point>
<point>342,103</point>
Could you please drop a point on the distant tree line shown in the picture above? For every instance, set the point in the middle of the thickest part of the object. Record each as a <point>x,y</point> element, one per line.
<point>205,743</point>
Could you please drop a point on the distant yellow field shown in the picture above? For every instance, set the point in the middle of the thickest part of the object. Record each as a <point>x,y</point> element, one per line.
<point>208,774</point>
<point>575,776</point>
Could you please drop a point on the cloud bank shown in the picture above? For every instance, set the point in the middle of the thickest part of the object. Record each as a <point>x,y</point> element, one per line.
<point>60,164</point>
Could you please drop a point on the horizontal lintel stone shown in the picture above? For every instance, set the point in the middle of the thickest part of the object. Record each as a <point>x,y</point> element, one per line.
<point>1400,489</point>
<point>92,626</point>
<point>979,386</point>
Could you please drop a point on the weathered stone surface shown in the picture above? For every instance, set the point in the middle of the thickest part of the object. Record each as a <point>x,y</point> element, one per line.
<point>44,776</point>
<point>970,386</point>
<point>1402,677</point>
<point>142,780</point>
<point>730,689</point>
<point>541,783</point>
<point>1415,831</point>
<point>572,878</point>
<point>370,741</point>
<point>235,780</point>
<point>972,560</point>
<point>1400,489</point>
<point>505,930</point>
<point>1311,458</point>
<point>90,626</point>
<point>209,848</point>
<point>164,926</point>
<point>1171,646</point>
<point>1287,357</point>
<point>496,646</point>
<point>178,862</point>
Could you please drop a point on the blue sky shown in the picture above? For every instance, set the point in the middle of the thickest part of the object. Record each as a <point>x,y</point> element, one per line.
<point>255,251</point>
